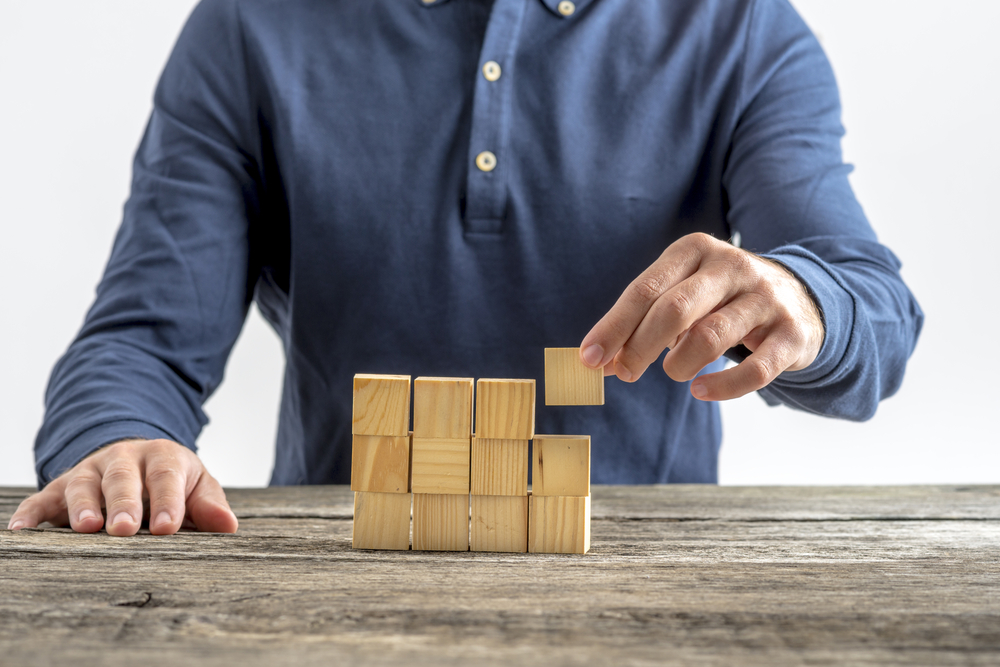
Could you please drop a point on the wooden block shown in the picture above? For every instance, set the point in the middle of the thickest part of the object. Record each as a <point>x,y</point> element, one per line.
<point>560,465</point>
<point>559,525</point>
<point>381,521</point>
<point>440,522</point>
<point>568,381</point>
<point>380,463</point>
<point>442,407</point>
<point>505,409</point>
<point>499,467</point>
<point>381,405</point>
<point>499,523</point>
<point>440,465</point>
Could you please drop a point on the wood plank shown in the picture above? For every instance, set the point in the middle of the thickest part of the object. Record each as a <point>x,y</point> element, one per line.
<point>558,524</point>
<point>381,405</point>
<point>505,409</point>
<point>440,522</point>
<point>442,407</point>
<point>380,463</point>
<point>381,520</point>
<point>441,465</point>
<point>568,381</point>
<point>499,467</point>
<point>499,523</point>
<point>560,465</point>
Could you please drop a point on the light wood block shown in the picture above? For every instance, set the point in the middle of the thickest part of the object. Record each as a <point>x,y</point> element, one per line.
<point>381,405</point>
<point>440,465</point>
<point>560,465</point>
<point>559,525</point>
<point>442,407</point>
<point>381,521</point>
<point>440,522</point>
<point>499,467</point>
<point>568,381</point>
<point>380,463</point>
<point>499,523</point>
<point>505,409</point>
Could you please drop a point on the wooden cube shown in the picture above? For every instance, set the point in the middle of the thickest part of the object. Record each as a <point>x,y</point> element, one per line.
<point>560,465</point>
<point>442,407</point>
<point>380,463</point>
<point>440,465</point>
<point>440,522</point>
<point>568,381</point>
<point>381,405</point>
<point>500,523</point>
<point>559,525</point>
<point>499,467</point>
<point>505,409</point>
<point>381,521</point>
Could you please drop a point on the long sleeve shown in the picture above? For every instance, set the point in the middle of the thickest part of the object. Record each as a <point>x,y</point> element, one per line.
<point>179,281</point>
<point>790,200</point>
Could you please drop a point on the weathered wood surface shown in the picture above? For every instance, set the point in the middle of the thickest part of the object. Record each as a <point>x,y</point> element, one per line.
<point>675,575</point>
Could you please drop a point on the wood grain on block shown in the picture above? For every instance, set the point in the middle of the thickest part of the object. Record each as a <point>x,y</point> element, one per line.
<point>568,381</point>
<point>442,407</point>
<point>381,405</point>
<point>559,524</point>
<point>499,467</point>
<point>560,465</point>
<point>440,465</point>
<point>381,521</point>
<point>440,522</point>
<point>380,463</point>
<point>505,409</point>
<point>499,523</point>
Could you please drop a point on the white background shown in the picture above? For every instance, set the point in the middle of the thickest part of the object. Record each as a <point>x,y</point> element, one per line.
<point>920,81</point>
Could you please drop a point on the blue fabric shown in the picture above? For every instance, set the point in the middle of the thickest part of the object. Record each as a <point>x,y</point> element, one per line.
<point>319,156</point>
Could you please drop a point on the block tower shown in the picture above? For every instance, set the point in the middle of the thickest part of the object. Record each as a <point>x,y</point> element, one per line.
<point>380,461</point>
<point>505,424</point>
<point>442,446</point>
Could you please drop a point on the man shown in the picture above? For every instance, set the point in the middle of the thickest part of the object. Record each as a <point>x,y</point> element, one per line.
<point>447,187</point>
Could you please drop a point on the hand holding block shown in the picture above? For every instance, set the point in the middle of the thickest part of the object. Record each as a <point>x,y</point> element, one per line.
<point>499,467</point>
<point>440,465</point>
<point>505,409</point>
<point>568,381</point>
<point>559,524</point>
<point>381,521</point>
<point>442,407</point>
<point>440,522</point>
<point>381,405</point>
<point>560,465</point>
<point>499,523</point>
<point>380,463</point>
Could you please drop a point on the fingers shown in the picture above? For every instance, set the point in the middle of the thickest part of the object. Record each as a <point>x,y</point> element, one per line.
<point>46,505</point>
<point>167,478</point>
<point>773,356</point>
<point>121,485</point>
<point>208,508</point>
<point>83,498</point>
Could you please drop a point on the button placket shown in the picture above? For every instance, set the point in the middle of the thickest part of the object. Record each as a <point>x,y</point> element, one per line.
<point>486,185</point>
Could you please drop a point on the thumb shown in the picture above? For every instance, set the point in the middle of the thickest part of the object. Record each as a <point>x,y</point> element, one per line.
<point>208,508</point>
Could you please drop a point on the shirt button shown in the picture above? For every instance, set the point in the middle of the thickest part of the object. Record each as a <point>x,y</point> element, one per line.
<point>566,7</point>
<point>491,70</point>
<point>486,161</point>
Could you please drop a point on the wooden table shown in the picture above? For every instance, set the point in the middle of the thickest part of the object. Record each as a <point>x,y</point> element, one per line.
<point>677,575</point>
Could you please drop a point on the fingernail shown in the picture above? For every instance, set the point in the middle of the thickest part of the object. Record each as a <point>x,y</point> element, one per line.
<point>699,390</point>
<point>17,525</point>
<point>622,372</point>
<point>86,514</point>
<point>122,517</point>
<point>163,519</point>
<point>592,355</point>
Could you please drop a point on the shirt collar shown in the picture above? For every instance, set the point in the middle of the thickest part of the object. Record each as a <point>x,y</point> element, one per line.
<point>564,9</point>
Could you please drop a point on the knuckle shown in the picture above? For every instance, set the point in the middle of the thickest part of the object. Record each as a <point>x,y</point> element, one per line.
<point>646,288</point>
<point>759,371</point>
<point>710,334</point>
<point>677,305</point>
<point>164,476</point>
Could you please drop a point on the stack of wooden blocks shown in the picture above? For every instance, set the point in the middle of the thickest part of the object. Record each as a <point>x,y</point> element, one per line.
<point>454,474</point>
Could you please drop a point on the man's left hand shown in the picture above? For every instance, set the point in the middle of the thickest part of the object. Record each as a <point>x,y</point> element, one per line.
<point>699,299</point>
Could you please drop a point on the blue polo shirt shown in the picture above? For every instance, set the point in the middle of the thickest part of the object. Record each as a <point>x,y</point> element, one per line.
<point>446,188</point>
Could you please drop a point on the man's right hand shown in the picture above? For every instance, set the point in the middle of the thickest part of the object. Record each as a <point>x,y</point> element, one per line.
<point>119,477</point>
